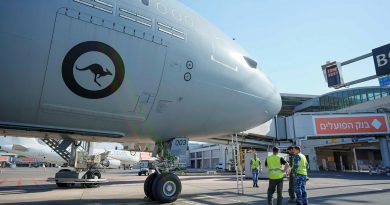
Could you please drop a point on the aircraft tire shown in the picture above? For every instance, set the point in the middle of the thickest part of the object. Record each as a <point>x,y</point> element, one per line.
<point>167,188</point>
<point>91,175</point>
<point>148,189</point>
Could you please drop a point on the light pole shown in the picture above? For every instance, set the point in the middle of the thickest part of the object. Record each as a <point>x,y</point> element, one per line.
<point>226,150</point>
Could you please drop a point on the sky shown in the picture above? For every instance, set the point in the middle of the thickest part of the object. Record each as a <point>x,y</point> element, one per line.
<point>292,39</point>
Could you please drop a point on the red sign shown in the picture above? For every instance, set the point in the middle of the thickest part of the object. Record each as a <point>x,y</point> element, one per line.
<point>360,124</point>
<point>4,159</point>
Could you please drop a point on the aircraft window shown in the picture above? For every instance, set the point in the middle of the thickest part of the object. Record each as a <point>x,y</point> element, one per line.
<point>252,63</point>
<point>145,2</point>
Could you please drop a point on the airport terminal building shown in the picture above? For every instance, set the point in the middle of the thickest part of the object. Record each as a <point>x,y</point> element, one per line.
<point>342,130</point>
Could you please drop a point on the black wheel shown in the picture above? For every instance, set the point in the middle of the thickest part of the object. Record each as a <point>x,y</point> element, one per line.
<point>63,185</point>
<point>77,143</point>
<point>92,175</point>
<point>166,188</point>
<point>148,189</point>
<point>139,173</point>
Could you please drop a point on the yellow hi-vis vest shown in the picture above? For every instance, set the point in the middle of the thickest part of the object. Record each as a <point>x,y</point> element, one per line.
<point>255,163</point>
<point>274,167</point>
<point>302,166</point>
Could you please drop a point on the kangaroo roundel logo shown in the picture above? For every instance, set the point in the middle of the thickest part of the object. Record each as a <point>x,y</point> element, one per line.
<point>98,80</point>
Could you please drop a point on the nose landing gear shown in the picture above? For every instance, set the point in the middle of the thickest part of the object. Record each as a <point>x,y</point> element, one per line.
<point>163,185</point>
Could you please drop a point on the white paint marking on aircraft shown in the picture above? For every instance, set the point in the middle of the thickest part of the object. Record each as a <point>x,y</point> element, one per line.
<point>177,16</point>
<point>370,188</point>
<point>170,27</point>
<point>170,33</point>
<point>102,9</point>
<point>93,6</point>
<point>225,65</point>
<point>135,14</point>
<point>83,2</point>
<point>161,8</point>
<point>134,20</point>
<point>104,3</point>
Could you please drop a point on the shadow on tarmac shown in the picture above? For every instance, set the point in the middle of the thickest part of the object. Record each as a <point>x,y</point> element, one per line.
<point>347,175</point>
<point>214,198</point>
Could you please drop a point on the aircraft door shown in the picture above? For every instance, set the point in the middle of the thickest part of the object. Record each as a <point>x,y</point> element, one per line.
<point>98,68</point>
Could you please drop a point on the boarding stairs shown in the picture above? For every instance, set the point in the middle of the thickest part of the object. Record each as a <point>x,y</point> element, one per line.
<point>238,164</point>
<point>61,146</point>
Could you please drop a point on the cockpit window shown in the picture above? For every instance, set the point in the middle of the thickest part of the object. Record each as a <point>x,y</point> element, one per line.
<point>252,63</point>
<point>145,2</point>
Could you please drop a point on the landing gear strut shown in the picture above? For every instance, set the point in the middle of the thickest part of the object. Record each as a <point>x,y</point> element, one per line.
<point>163,185</point>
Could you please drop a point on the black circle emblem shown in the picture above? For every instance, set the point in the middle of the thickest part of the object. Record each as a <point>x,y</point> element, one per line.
<point>187,76</point>
<point>189,65</point>
<point>68,66</point>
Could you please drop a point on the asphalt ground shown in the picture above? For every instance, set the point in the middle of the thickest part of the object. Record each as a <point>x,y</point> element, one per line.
<point>30,186</point>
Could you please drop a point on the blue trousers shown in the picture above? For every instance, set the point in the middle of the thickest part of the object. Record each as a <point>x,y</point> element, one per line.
<point>255,176</point>
<point>300,189</point>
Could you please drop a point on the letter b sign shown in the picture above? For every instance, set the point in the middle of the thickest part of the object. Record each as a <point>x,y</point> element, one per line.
<point>382,60</point>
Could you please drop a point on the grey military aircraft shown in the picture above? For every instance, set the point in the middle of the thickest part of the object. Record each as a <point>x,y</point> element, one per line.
<point>136,71</point>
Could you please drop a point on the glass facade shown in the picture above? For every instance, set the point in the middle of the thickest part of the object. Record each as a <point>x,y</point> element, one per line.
<point>346,98</point>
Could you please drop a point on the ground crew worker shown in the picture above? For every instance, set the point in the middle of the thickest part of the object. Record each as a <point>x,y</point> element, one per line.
<point>291,191</point>
<point>256,166</point>
<point>300,175</point>
<point>274,163</point>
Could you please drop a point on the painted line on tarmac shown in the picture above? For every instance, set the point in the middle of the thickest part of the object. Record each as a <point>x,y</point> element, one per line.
<point>188,201</point>
<point>218,198</point>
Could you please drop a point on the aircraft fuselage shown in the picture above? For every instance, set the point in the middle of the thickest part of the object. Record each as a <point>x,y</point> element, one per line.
<point>124,71</point>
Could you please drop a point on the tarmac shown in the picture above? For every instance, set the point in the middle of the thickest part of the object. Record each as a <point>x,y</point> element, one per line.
<point>30,186</point>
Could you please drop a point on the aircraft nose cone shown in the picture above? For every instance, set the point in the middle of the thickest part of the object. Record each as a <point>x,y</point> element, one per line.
<point>272,101</point>
<point>259,102</point>
<point>274,104</point>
